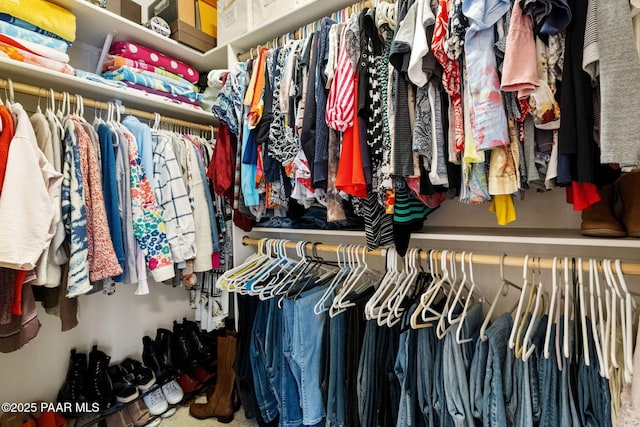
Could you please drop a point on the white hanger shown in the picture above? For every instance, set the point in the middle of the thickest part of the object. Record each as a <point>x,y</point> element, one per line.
<point>565,338</point>
<point>363,266</point>
<point>583,316</point>
<point>11,95</point>
<point>434,278</point>
<point>320,307</point>
<point>338,306</point>
<point>627,338</point>
<point>554,293</point>
<point>441,328</point>
<point>502,291</point>
<point>462,316</point>
<point>596,317</point>
<point>516,320</point>
<point>458,293</point>
<point>527,347</point>
<point>404,288</point>
<point>371,309</point>
<point>432,293</point>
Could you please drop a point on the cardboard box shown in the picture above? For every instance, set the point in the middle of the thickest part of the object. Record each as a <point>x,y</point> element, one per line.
<point>128,9</point>
<point>207,18</point>
<point>191,36</point>
<point>174,10</point>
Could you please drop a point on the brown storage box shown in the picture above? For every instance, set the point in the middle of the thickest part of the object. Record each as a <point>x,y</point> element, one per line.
<point>128,9</point>
<point>172,10</point>
<point>191,36</point>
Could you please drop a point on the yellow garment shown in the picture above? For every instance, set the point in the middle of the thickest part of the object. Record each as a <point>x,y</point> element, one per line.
<point>41,13</point>
<point>502,206</point>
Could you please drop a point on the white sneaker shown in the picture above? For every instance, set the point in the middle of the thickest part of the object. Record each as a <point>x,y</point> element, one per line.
<point>156,402</point>
<point>168,413</point>
<point>172,392</point>
<point>154,423</point>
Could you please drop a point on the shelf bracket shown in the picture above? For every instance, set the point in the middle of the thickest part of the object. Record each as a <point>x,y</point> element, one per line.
<point>105,50</point>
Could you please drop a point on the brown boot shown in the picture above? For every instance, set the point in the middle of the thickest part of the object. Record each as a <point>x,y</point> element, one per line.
<point>599,220</point>
<point>219,403</point>
<point>628,187</point>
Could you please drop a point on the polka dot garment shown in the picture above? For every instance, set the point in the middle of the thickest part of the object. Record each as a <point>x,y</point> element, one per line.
<point>148,56</point>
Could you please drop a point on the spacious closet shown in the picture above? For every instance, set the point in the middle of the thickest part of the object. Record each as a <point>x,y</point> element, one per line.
<point>407,245</point>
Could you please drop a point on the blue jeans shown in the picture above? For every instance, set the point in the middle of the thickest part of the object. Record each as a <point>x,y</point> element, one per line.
<point>528,409</point>
<point>400,368</point>
<point>548,374</point>
<point>487,374</point>
<point>336,403</point>
<point>568,413</point>
<point>455,367</point>
<point>425,366</point>
<point>305,356</point>
<point>590,405</point>
<point>266,399</point>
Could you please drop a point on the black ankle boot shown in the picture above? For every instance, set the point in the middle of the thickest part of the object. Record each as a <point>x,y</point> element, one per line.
<point>153,360</point>
<point>74,388</point>
<point>163,345</point>
<point>204,350</point>
<point>184,354</point>
<point>99,387</point>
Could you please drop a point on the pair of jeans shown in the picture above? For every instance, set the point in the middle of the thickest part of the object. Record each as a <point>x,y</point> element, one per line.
<point>456,364</point>
<point>265,397</point>
<point>425,367</point>
<point>528,410</point>
<point>593,403</point>
<point>568,412</point>
<point>487,374</point>
<point>302,334</point>
<point>548,375</point>
<point>409,413</point>
<point>282,380</point>
<point>336,404</point>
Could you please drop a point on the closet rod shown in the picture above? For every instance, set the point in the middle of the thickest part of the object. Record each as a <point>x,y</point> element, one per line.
<point>45,93</point>
<point>297,34</point>
<point>478,258</point>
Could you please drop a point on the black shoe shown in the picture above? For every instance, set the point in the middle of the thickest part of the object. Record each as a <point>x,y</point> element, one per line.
<point>99,387</point>
<point>193,333</point>
<point>163,345</point>
<point>153,360</point>
<point>141,376</point>
<point>184,355</point>
<point>74,388</point>
<point>123,387</point>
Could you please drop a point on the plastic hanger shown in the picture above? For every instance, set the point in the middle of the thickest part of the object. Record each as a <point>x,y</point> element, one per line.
<point>565,338</point>
<point>441,327</point>
<point>583,316</point>
<point>433,292</point>
<point>351,287</point>
<point>596,317</point>
<point>463,316</point>
<point>554,293</point>
<point>532,297</point>
<point>434,278</point>
<point>502,291</point>
<point>320,306</point>
<point>516,320</point>
<point>407,284</point>
<point>630,306</point>
<point>462,285</point>
<point>527,346</point>
<point>371,307</point>
<point>615,299</point>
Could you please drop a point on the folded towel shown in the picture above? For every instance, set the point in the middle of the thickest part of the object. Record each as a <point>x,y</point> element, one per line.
<point>35,48</point>
<point>18,32</point>
<point>27,57</point>
<point>127,75</point>
<point>43,14</point>
<point>150,56</point>
<point>173,98</point>
<point>112,63</point>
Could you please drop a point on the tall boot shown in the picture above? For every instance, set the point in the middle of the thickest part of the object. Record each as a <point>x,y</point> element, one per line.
<point>220,403</point>
<point>599,219</point>
<point>74,388</point>
<point>628,187</point>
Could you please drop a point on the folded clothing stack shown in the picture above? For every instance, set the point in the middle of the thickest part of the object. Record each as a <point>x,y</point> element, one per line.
<point>153,72</point>
<point>37,32</point>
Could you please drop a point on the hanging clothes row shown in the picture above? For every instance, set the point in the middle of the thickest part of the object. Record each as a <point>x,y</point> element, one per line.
<point>87,206</point>
<point>384,114</point>
<point>339,343</point>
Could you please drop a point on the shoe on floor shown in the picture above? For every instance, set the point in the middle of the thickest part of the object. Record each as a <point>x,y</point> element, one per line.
<point>172,392</point>
<point>156,402</point>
